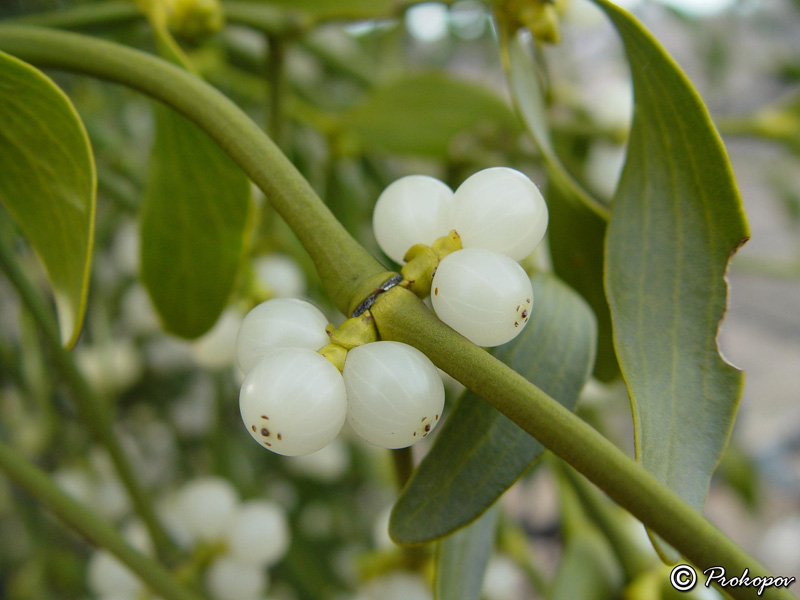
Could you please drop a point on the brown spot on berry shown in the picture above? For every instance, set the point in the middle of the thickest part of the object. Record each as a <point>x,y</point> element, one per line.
<point>422,419</point>
<point>524,314</point>
<point>436,291</point>
<point>516,323</point>
<point>280,437</point>
<point>265,432</point>
<point>265,417</point>
<point>254,427</point>
<point>415,434</point>
<point>528,300</point>
<point>427,428</point>
<point>437,417</point>
<point>268,444</point>
<point>518,305</point>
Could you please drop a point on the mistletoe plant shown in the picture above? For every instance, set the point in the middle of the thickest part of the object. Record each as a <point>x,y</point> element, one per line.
<point>640,290</point>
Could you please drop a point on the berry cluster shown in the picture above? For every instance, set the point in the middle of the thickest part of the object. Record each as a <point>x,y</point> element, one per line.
<point>494,219</point>
<point>294,401</point>
<point>234,542</point>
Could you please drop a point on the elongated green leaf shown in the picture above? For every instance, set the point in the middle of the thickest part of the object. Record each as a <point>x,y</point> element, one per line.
<point>577,221</point>
<point>677,218</point>
<point>480,453</point>
<point>587,570</point>
<point>194,217</point>
<point>48,183</point>
<point>420,114</point>
<point>461,559</point>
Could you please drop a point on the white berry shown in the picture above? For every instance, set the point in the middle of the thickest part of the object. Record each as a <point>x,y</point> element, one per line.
<point>394,393</point>
<point>281,274</point>
<point>415,209</point>
<point>106,575</point>
<point>206,507</point>
<point>500,209</point>
<point>259,533</point>
<point>293,401</point>
<point>483,295</point>
<point>279,323</point>
<point>230,579</point>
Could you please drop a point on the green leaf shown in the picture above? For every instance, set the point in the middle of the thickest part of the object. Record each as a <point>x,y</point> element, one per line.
<point>587,570</point>
<point>48,183</point>
<point>577,223</point>
<point>676,220</point>
<point>479,452</point>
<point>420,114</point>
<point>461,559</point>
<point>194,218</point>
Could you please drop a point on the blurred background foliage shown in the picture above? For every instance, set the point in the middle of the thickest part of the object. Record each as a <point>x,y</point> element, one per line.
<point>357,94</point>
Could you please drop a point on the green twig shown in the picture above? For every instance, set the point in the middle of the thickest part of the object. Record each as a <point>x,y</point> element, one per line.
<point>38,484</point>
<point>93,410</point>
<point>82,16</point>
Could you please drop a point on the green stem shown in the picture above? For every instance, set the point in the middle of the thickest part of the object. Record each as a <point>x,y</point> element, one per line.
<point>346,269</point>
<point>107,14</point>
<point>38,484</point>
<point>349,273</point>
<point>83,16</point>
<point>556,172</point>
<point>94,411</point>
<point>401,316</point>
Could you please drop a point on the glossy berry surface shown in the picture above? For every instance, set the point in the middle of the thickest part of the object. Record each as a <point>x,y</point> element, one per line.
<point>394,392</point>
<point>415,209</point>
<point>500,209</point>
<point>279,323</point>
<point>483,295</point>
<point>293,401</point>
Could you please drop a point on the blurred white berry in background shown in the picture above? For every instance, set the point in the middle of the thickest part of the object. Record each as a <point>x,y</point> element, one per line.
<point>230,579</point>
<point>326,465</point>
<point>380,528</point>
<point>216,349</point>
<point>125,249</point>
<point>108,577</point>
<point>111,366</point>
<point>207,507</point>
<point>503,580</point>
<point>780,548</point>
<point>259,533</point>
<point>280,274</point>
<point>194,412</point>
<point>137,312</point>
<point>399,585</point>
